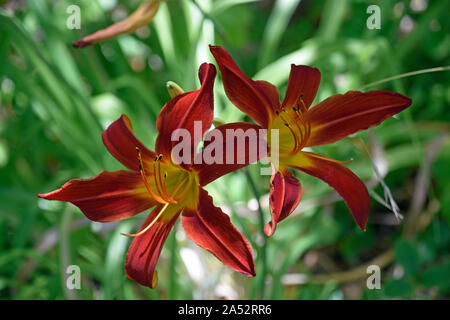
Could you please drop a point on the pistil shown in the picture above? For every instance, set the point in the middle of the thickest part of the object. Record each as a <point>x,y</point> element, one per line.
<point>154,220</point>
<point>149,225</point>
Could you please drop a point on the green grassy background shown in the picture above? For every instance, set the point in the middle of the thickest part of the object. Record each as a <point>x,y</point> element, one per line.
<point>55,101</point>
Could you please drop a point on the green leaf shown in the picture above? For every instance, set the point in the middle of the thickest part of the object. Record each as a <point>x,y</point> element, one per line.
<point>276,26</point>
<point>397,288</point>
<point>438,275</point>
<point>407,255</point>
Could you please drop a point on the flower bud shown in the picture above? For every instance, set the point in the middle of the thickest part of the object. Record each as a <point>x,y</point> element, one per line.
<point>173,89</point>
<point>143,15</point>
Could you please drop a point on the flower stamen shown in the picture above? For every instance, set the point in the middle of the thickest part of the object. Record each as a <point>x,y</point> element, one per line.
<point>300,130</point>
<point>163,182</point>
<point>144,178</point>
<point>305,124</point>
<point>294,135</point>
<point>157,178</point>
<point>303,106</point>
<point>304,109</point>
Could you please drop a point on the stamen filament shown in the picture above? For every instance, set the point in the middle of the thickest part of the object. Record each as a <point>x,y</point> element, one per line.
<point>297,146</point>
<point>286,123</point>
<point>305,124</point>
<point>144,178</point>
<point>308,125</point>
<point>163,183</point>
<point>304,109</point>
<point>165,189</point>
<point>155,179</point>
<point>294,151</point>
<point>302,134</point>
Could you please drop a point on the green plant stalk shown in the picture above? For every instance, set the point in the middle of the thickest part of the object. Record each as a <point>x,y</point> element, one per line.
<point>263,249</point>
<point>405,75</point>
<point>172,289</point>
<point>64,250</point>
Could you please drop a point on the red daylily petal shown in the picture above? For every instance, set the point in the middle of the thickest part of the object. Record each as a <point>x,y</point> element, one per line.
<point>121,143</point>
<point>344,181</point>
<point>343,114</point>
<point>212,230</point>
<point>109,196</point>
<point>270,93</point>
<point>244,150</point>
<point>145,249</point>
<point>181,112</point>
<point>101,35</point>
<point>258,99</point>
<point>285,194</point>
<point>303,82</point>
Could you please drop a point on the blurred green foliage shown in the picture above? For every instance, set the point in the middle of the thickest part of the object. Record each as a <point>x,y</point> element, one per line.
<point>55,101</point>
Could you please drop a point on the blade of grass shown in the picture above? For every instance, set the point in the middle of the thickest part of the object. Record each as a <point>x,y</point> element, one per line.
<point>113,277</point>
<point>163,27</point>
<point>221,5</point>
<point>332,19</point>
<point>275,28</point>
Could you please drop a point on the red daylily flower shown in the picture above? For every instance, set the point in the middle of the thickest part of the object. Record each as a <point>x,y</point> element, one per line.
<point>154,180</point>
<point>301,126</point>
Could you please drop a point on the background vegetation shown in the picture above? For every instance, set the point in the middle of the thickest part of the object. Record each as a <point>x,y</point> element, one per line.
<point>55,101</point>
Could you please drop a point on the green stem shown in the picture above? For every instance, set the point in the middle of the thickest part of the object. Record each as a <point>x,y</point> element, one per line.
<point>408,74</point>
<point>172,289</point>
<point>64,250</point>
<point>263,249</point>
